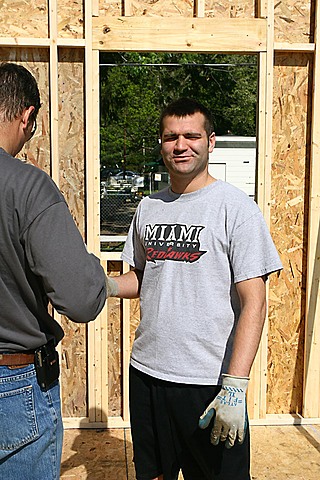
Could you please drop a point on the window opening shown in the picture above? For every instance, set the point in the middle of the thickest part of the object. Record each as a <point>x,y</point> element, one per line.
<point>134,88</point>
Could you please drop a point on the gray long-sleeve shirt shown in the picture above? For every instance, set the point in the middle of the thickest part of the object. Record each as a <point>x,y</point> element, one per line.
<point>42,258</point>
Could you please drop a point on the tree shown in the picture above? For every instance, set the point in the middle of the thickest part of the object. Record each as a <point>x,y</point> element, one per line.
<point>136,86</point>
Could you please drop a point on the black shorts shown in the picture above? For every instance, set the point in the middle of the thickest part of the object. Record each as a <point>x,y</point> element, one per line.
<point>167,439</point>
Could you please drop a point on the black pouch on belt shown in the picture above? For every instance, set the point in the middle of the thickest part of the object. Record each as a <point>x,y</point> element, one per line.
<point>46,360</point>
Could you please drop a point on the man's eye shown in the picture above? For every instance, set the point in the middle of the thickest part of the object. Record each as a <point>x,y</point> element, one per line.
<point>193,137</point>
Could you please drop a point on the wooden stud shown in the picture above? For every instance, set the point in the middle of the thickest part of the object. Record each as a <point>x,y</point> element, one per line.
<point>104,357</point>
<point>127,8</point>
<point>117,422</point>
<point>294,47</point>
<point>261,126</point>
<point>199,8</point>
<point>94,330</point>
<point>25,41</point>
<point>79,42</point>
<point>258,384</point>
<point>311,394</point>
<point>262,8</point>
<point>125,352</point>
<point>41,42</point>
<point>253,395</point>
<point>268,110</point>
<point>94,8</point>
<point>54,95</point>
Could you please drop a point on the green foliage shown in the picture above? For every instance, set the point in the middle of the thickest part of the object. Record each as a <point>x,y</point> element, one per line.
<point>134,91</point>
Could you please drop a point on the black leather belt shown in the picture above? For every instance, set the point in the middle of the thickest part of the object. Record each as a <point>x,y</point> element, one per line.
<point>15,359</point>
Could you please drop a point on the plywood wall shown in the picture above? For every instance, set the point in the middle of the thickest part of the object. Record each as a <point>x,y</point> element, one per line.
<point>115,366</point>
<point>36,152</point>
<point>178,8</point>
<point>293,21</point>
<point>235,9</point>
<point>290,170</point>
<point>18,21</point>
<point>71,121</point>
<point>70,18</point>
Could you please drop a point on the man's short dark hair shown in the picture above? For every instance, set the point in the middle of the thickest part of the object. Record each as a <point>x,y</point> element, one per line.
<point>18,90</point>
<point>184,107</point>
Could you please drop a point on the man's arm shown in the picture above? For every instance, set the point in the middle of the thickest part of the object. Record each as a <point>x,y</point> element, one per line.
<point>229,407</point>
<point>126,285</point>
<point>252,294</point>
<point>73,279</point>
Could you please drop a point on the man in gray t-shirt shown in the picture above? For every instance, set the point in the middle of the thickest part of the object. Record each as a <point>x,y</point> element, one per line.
<point>201,253</point>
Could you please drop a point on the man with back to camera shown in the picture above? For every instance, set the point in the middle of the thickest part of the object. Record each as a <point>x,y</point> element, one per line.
<point>42,258</point>
<point>201,253</point>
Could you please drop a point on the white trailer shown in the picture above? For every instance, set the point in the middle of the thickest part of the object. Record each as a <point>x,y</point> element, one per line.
<point>234,160</point>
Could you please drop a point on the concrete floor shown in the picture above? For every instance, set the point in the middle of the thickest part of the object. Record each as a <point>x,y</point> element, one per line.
<point>278,453</point>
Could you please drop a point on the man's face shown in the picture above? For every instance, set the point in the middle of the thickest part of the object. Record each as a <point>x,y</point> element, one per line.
<point>185,146</point>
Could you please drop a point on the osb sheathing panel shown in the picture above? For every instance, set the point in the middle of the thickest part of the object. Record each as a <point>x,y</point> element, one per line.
<point>30,19</point>
<point>71,128</point>
<point>184,8</point>
<point>292,21</point>
<point>288,228</point>
<point>19,18</point>
<point>115,344</point>
<point>115,366</point>
<point>110,7</point>
<point>36,61</point>
<point>72,185</point>
<point>71,154</point>
<point>114,357</point>
<point>231,9</point>
<point>71,18</point>
<point>116,369</point>
<point>134,318</point>
<point>158,8</point>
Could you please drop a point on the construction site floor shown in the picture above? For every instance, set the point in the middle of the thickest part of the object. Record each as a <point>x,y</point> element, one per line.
<point>277,452</point>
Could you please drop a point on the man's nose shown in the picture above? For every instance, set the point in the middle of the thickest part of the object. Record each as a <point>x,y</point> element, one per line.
<point>181,143</point>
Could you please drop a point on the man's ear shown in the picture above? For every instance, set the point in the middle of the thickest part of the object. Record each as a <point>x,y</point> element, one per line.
<point>212,141</point>
<point>26,114</point>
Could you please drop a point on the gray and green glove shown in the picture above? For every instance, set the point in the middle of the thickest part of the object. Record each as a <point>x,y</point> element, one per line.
<point>112,287</point>
<point>229,412</point>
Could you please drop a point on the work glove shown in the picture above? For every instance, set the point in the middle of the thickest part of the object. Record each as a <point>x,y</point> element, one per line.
<point>229,412</point>
<point>112,287</point>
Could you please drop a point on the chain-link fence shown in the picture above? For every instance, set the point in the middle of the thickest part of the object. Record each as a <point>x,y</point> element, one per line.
<point>120,196</point>
<point>116,212</point>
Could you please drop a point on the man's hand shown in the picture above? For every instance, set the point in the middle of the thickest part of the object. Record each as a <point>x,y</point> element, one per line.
<point>229,408</point>
<point>112,287</point>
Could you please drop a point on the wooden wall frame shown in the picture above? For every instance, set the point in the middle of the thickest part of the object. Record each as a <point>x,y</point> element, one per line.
<point>127,30</point>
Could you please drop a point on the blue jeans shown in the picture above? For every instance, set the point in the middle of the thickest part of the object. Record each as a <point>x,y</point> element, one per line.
<point>31,431</point>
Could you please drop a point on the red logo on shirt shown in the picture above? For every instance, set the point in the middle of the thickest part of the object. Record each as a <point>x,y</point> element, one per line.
<point>177,242</point>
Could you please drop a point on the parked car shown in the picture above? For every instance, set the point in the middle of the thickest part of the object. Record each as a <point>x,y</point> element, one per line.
<point>125,175</point>
<point>127,178</point>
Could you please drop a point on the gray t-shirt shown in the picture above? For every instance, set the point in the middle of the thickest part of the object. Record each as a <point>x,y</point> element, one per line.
<point>193,248</point>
